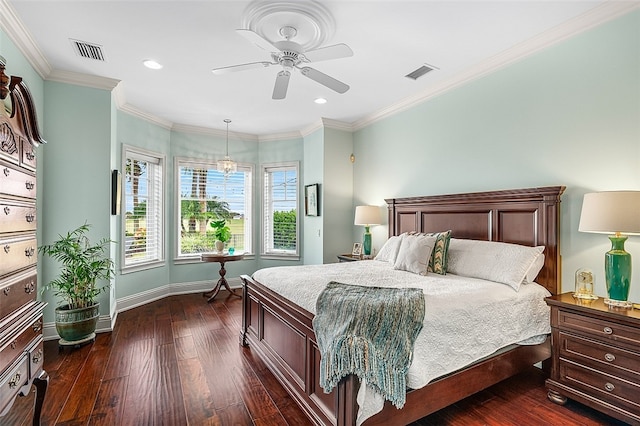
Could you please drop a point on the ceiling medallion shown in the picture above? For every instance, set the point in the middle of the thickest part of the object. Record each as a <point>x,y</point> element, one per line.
<point>313,22</point>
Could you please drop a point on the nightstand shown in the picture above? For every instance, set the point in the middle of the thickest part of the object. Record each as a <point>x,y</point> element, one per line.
<point>349,258</point>
<point>595,356</point>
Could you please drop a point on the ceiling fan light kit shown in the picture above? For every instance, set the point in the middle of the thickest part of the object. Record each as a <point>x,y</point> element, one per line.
<point>287,53</point>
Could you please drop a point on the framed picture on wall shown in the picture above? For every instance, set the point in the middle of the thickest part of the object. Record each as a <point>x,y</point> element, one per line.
<point>311,200</point>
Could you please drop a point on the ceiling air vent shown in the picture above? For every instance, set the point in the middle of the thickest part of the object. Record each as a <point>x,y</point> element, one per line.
<point>416,74</point>
<point>88,50</point>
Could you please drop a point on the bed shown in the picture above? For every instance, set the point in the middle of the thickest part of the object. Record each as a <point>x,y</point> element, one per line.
<point>280,331</point>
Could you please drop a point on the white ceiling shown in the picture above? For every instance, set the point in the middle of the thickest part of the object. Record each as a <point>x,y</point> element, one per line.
<point>463,39</point>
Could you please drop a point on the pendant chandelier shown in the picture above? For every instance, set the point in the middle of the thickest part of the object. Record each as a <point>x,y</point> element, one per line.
<point>227,165</point>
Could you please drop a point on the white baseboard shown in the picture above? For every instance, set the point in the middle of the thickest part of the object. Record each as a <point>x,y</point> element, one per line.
<point>107,322</point>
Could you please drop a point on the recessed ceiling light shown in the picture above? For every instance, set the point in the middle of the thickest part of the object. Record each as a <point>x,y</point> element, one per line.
<point>150,63</point>
<point>320,101</point>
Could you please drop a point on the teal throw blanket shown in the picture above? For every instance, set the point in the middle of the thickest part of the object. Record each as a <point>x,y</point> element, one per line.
<point>369,332</point>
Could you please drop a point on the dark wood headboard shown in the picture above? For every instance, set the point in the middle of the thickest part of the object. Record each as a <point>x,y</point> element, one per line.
<point>522,216</point>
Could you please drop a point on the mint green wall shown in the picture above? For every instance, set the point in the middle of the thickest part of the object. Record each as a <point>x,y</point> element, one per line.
<point>313,228</point>
<point>337,193</point>
<point>145,135</point>
<point>76,170</point>
<point>568,115</point>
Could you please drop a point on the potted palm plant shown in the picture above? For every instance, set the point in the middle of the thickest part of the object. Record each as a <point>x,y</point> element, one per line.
<point>221,232</point>
<point>83,266</point>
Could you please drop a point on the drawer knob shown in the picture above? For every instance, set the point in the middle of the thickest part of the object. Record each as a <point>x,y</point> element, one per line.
<point>37,326</point>
<point>607,330</point>
<point>610,357</point>
<point>15,381</point>
<point>30,287</point>
<point>14,344</point>
<point>7,248</point>
<point>7,210</point>
<point>29,251</point>
<point>29,218</point>
<point>29,185</point>
<point>7,290</point>
<point>6,171</point>
<point>37,356</point>
<point>609,387</point>
<point>30,156</point>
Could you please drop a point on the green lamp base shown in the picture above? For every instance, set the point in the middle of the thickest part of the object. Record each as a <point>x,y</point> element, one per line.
<point>366,243</point>
<point>617,270</point>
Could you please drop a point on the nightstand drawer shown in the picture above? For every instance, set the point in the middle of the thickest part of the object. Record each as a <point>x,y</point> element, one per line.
<point>607,388</point>
<point>605,358</point>
<point>600,329</point>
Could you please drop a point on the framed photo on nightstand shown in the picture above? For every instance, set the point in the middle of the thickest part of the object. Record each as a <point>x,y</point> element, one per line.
<point>357,249</point>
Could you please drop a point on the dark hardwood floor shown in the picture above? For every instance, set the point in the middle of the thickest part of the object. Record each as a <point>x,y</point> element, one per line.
<point>177,361</point>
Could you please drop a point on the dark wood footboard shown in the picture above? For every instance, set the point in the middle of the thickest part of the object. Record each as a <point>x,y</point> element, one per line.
<point>281,334</point>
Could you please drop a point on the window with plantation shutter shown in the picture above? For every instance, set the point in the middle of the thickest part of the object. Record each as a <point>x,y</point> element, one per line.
<point>206,195</point>
<point>142,216</point>
<point>280,210</point>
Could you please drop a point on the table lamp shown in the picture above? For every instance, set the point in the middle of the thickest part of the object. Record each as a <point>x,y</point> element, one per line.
<point>367,216</point>
<point>617,213</point>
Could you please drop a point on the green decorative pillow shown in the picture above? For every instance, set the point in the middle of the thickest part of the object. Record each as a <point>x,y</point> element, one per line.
<point>439,254</point>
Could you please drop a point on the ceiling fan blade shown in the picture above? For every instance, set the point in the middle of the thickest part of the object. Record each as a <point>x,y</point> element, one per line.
<point>324,79</point>
<point>282,84</point>
<point>241,67</point>
<point>329,52</point>
<point>258,40</point>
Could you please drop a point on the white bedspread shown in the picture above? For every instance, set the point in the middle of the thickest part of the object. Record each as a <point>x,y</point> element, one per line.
<point>466,319</point>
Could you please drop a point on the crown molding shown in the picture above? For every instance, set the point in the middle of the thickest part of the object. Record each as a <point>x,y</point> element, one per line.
<point>596,16</point>
<point>214,132</point>
<point>85,80</point>
<point>19,34</point>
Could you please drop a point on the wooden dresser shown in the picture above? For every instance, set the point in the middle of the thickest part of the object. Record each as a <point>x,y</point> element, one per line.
<point>21,341</point>
<point>595,356</point>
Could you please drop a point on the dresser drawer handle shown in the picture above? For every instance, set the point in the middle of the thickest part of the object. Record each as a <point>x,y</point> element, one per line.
<point>6,291</point>
<point>7,248</point>
<point>29,218</point>
<point>14,344</point>
<point>609,387</point>
<point>610,357</point>
<point>6,171</point>
<point>37,356</point>
<point>29,185</point>
<point>7,210</point>
<point>30,156</point>
<point>29,288</point>
<point>607,330</point>
<point>29,251</point>
<point>15,381</point>
<point>37,326</point>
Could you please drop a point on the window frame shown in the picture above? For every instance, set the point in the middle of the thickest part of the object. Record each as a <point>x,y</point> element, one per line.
<point>212,164</point>
<point>129,151</point>
<point>265,253</point>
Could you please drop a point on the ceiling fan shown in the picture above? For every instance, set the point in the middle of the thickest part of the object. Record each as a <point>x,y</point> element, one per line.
<point>291,55</point>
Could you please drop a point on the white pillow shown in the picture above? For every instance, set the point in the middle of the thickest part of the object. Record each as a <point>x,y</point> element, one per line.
<point>535,269</point>
<point>389,249</point>
<point>494,261</point>
<point>414,253</point>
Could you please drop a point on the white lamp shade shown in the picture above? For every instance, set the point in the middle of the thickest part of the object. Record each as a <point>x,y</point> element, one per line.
<point>610,212</point>
<point>367,215</point>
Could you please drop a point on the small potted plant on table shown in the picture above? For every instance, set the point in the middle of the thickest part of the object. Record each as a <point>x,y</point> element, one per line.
<point>83,264</point>
<point>222,233</point>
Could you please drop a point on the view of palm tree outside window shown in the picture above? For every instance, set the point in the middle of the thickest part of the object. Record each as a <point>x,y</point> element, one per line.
<point>207,195</point>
